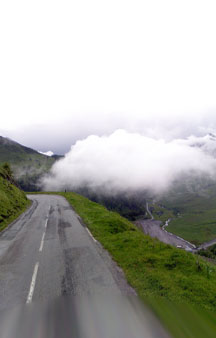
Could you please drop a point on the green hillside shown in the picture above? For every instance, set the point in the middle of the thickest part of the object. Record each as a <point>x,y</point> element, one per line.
<point>192,210</point>
<point>27,164</point>
<point>12,200</point>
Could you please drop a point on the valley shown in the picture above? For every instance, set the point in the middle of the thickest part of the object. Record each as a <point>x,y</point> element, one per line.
<point>193,214</point>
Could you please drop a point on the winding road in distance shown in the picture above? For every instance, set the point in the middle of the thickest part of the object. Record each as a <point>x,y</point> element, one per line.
<point>153,228</point>
<point>48,253</point>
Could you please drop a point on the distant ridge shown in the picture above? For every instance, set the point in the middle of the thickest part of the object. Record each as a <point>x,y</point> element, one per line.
<point>27,164</point>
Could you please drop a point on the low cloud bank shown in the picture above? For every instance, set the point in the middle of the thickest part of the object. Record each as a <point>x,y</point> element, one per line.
<point>126,161</point>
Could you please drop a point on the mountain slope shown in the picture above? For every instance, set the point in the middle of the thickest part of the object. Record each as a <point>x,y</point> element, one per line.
<point>190,205</point>
<point>27,164</point>
<point>12,200</point>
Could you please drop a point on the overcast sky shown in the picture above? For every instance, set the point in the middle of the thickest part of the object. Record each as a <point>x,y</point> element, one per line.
<point>69,69</point>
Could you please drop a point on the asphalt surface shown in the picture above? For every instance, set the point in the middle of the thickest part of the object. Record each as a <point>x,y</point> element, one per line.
<point>48,255</point>
<point>50,238</point>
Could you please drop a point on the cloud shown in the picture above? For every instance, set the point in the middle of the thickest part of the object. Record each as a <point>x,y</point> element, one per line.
<point>124,161</point>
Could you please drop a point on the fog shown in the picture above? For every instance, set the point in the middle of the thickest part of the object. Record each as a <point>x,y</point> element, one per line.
<point>58,136</point>
<point>124,161</point>
<point>71,69</point>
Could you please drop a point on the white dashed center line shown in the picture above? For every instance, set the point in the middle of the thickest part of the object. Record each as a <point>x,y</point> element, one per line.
<point>48,211</point>
<point>32,286</point>
<point>34,276</point>
<point>42,242</point>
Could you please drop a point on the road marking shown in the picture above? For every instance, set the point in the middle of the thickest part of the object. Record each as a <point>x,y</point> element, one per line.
<point>46,223</point>
<point>42,242</point>
<point>91,234</point>
<point>32,286</point>
<point>48,211</point>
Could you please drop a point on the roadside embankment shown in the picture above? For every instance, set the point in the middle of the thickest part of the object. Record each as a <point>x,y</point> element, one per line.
<point>13,201</point>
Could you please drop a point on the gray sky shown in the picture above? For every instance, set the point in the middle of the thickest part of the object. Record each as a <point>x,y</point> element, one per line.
<point>69,69</point>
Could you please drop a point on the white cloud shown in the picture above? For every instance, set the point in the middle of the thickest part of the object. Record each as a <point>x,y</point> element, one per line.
<point>126,161</point>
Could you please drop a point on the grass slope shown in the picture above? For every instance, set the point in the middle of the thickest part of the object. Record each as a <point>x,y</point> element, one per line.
<point>27,164</point>
<point>197,215</point>
<point>12,200</point>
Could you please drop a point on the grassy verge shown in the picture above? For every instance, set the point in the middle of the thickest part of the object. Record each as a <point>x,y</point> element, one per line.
<point>13,201</point>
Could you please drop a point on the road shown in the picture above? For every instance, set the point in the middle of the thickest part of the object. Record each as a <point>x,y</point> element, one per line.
<point>148,211</point>
<point>48,254</point>
<point>51,248</point>
<point>206,245</point>
<point>153,228</point>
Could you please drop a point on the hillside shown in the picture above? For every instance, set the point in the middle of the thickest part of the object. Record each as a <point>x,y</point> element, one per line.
<point>27,164</point>
<point>12,200</point>
<point>191,206</point>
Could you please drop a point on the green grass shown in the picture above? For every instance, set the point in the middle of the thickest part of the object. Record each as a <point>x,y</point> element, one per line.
<point>177,284</point>
<point>12,201</point>
<point>197,219</point>
<point>210,252</point>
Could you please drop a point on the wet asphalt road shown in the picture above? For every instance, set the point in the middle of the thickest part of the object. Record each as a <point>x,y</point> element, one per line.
<point>57,281</point>
<point>49,253</point>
